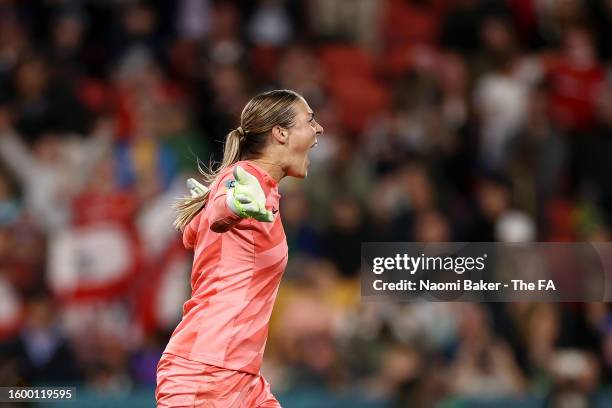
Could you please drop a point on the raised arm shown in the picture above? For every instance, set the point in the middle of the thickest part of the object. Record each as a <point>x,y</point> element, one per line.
<point>239,197</point>
<point>17,157</point>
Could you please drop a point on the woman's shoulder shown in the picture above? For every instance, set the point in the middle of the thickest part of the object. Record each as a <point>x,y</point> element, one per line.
<point>228,174</point>
<point>247,165</point>
<point>265,179</point>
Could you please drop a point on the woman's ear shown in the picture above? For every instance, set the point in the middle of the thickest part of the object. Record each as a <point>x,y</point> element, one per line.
<point>280,134</point>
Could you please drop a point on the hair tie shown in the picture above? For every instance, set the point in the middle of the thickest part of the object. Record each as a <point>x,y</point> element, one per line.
<point>240,130</point>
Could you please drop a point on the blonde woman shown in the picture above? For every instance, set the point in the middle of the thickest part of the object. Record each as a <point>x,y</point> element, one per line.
<point>214,355</point>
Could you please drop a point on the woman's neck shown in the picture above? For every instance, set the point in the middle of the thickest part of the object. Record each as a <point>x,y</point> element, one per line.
<point>275,170</point>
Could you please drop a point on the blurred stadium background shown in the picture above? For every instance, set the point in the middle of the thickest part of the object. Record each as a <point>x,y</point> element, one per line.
<point>445,120</point>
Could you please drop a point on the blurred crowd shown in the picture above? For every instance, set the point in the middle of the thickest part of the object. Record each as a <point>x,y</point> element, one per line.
<point>444,120</point>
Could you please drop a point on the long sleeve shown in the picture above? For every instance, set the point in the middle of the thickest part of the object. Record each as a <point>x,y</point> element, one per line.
<point>222,218</point>
<point>219,216</point>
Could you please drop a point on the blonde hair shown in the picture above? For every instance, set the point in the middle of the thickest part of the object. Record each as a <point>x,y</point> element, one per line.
<point>258,117</point>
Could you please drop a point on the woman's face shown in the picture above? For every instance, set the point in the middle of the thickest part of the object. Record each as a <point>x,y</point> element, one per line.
<point>302,137</point>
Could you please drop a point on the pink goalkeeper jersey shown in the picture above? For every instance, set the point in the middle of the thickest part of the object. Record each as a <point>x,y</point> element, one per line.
<point>234,281</point>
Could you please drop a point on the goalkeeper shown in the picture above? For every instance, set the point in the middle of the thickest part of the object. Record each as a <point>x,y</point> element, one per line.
<point>233,225</point>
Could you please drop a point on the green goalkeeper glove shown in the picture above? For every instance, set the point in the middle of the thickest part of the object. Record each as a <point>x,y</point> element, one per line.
<point>246,198</point>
